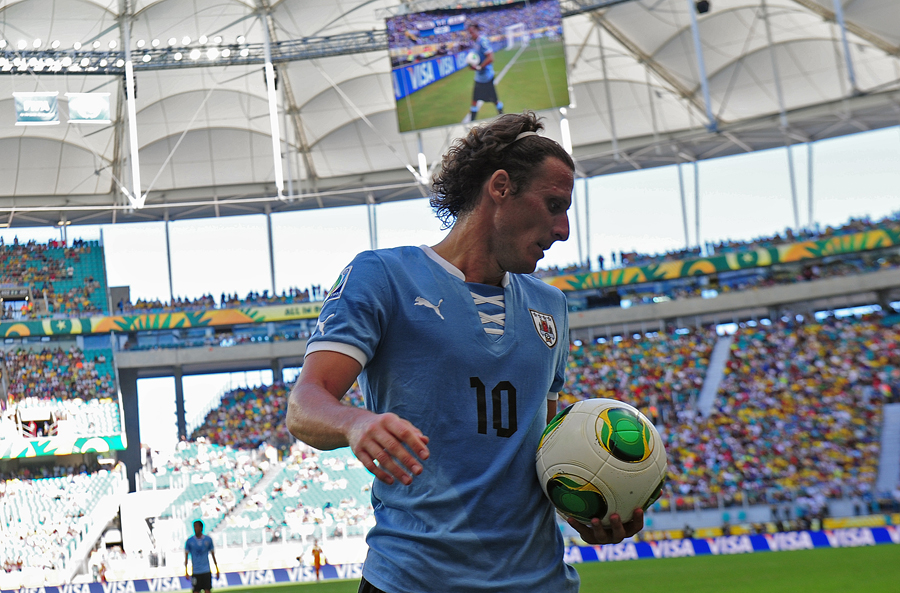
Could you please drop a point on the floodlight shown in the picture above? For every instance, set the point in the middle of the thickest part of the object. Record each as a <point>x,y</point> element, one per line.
<point>172,41</point>
<point>177,56</point>
<point>141,43</point>
<point>217,39</point>
<point>226,52</point>
<point>113,43</point>
<point>85,62</point>
<point>103,63</point>
<point>76,45</point>
<point>245,52</point>
<point>241,39</point>
<point>212,53</point>
<point>203,39</point>
<point>119,63</point>
<point>96,44</point>
<point>185,40</point>
<point>2,43</point>
<point>55,43</point>
<point>36,44</point>
<point>155,43</point>
<point>22,44</point>
<point>146,58</point>
<point>66,62</point>
<point>195,54</point>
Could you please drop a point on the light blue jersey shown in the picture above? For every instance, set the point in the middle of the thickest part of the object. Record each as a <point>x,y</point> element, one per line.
<point>483,47</point>
<point>199,550</point>
<point>476,519</point>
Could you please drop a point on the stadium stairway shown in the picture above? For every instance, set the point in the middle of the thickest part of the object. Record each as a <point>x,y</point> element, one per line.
<point>264,485</point>
<point>714,375</point>
<point>889,460</point>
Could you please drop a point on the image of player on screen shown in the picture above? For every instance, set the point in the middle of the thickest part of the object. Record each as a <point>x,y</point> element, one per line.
<point>484,91</point>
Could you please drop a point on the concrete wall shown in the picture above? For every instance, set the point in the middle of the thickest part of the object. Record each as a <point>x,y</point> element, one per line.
<point>260,355</point>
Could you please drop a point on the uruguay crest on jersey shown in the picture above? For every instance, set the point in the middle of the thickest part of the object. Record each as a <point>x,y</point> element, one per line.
<point>545,326</point>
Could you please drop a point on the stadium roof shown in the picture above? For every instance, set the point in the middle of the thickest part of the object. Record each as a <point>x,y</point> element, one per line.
<point>203,126</point>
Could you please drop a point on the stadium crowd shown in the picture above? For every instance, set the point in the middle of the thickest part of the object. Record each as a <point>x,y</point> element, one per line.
<point>658,374</point>
<point>797,417</point>
<point>226,301</point>
<point>57,374</point>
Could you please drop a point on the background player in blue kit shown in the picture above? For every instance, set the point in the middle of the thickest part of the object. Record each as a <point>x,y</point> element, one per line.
<point>199,548</point>
<point>484,72</point>
<point>460,354</point>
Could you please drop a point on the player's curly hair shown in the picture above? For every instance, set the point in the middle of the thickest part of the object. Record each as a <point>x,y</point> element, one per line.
<point>485,149</point>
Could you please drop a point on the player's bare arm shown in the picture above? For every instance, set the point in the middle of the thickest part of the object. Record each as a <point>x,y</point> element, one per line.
<point>317,417</point>
<point>597,534</point>
<point>215,562</point>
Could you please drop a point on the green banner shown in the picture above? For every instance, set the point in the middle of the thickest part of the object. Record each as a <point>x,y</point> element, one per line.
<point>152,321</point>
<point>728,262</point>
<point>18,448</point>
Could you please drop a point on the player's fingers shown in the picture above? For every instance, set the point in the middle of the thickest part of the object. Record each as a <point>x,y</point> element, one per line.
<point>586,533</point>
<point>369,462</point>
<point>618,530</point>
<point>387,462</point>
<point>408,435</point>
<point>636,523</point>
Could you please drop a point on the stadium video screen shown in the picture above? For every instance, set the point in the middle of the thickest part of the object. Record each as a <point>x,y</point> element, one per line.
<point>509,57</point>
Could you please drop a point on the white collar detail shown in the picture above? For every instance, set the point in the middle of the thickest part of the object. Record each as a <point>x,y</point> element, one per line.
<point>453,270</point>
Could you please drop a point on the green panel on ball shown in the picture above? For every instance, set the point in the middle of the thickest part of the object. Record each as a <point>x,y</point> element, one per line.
<point>657,492</point>
<point>624,435</point>
<point>554,424</point>
<point>576,498</point>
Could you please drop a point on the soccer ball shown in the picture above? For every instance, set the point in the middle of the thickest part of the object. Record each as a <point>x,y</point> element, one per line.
<point>599,457</point>
<point>472,59</point>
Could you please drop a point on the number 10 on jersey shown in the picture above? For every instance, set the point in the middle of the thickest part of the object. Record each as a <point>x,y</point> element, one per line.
<point>503,390</point>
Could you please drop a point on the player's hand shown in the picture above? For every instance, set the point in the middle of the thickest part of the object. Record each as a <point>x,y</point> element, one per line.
<point>381,438</point>
<point>597,534</point>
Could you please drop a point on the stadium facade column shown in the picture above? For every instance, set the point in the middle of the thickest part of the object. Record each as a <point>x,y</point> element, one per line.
<point>132,454</point>
<point>180,416</point>
<point>271,247</point>
<point>277,370</point>
<point>169,259</point>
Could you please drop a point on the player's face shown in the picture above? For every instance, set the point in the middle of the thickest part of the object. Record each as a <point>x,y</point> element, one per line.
<point>535,218</point>
<point>473,32</point>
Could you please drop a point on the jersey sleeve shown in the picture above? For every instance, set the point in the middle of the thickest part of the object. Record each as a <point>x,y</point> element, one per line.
<point>356,311</point>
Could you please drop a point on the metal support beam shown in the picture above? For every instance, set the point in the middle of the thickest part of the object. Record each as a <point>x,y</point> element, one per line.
<point>712,126</point>
<point>697,204</point>
<point>136,198</point>
<point>273,105</point>
<point>809,182</point>
<point>271,247</point>
<point>373,225</point>
<point>169,262</point>
<point>587,222</point>
<point>684,214</point>
<point>180,415</point>
<point>851,74</point>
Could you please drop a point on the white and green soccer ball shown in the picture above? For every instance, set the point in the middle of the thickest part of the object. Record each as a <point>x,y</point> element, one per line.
<point>473,59</point>
<point>599,457</point>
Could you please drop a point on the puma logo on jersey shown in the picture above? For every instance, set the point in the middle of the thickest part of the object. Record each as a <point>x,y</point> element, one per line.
<point>320,325</point>
<point>427,303</point>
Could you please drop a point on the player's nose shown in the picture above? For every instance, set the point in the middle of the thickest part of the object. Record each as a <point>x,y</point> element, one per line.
<point>561,228</point>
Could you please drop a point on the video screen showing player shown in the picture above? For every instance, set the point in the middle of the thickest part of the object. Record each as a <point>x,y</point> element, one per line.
<point>457,65</point>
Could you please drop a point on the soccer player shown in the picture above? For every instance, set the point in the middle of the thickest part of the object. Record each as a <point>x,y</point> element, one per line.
<point>484,90</point>
<point>460,354</point>
<point>318,557</point>
<point>200,548</point>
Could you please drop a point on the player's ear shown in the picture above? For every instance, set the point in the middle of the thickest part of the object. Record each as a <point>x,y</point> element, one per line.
<point>499,186</point>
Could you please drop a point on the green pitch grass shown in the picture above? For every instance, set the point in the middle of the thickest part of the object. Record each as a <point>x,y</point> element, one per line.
<point>826,570</point>
<point>528,84</point>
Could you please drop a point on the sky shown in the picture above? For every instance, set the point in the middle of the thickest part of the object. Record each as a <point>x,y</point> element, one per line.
<point>741,197</point>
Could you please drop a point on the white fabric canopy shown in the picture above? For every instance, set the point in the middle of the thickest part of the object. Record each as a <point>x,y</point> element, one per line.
<point>337,113</point>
